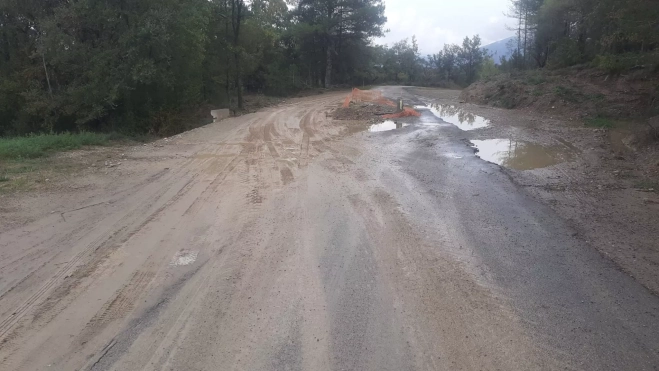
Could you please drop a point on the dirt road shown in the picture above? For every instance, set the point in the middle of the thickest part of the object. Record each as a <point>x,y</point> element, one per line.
<point>282,240</point>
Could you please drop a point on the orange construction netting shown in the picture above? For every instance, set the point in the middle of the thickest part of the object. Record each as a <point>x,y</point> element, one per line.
<point>407,111</point>
<point>375,96</point>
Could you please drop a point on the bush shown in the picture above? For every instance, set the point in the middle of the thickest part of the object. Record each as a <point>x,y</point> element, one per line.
<point>536,79</point>
<point>488,70</point>
<point>600,122</point>
<point>615,64</point>
<point>568,94</point>
<point>565,54</point>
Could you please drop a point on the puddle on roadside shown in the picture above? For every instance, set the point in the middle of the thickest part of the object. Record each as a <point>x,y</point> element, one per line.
<point>434,124</point>
<point>520,155</point>
<point>457,116</point>
<point>386,126</point>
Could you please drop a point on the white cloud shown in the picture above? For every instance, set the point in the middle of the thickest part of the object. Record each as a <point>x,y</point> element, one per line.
<point>439,22</point>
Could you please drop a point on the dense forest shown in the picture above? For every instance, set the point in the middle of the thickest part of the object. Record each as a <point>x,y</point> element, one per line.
<point>135,66</point>
<point>130,65</point>
<point>610,34</point>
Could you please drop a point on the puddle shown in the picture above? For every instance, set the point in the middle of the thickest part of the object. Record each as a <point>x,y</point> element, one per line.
<point>386,126</point>
<point>434,124</point>
<point>520,155</point>
<point>457,116</point>
<point>452,155</point>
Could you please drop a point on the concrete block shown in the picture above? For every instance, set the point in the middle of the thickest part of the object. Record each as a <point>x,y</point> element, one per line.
<point>220,114</point>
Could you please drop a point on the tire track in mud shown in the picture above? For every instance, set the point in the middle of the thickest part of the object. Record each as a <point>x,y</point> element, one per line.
<point>66,238</point>
<point>121,305</point>
<point>258,172</point>
<point>107,237</point>
<point>112,235</point>
<point>76,270</point>
<point>68,281</point>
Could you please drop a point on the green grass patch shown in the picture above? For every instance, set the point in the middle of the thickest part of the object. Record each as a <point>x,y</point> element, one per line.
<point>4,178</point>
<point>538,92</point>
<point>647,184</point>
<point>20,169</point>
<point>536,79</point>
<point>600,122</point>
<point>41,145</point>
<point>597,97</point>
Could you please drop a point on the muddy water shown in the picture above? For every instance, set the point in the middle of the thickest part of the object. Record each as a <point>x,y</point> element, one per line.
<point>386,126</point>
<point>520,155</point>
<point>457,116</point>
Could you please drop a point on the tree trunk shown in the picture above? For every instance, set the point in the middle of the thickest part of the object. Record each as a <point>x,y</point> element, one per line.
<point>581,40</point>
<point>227,58</point>
<point>239,81</point>
<point>45,69</point>
<point>236,18</point>
<point>526,32</point>
<point>519,37</point>
<point>328,67</point>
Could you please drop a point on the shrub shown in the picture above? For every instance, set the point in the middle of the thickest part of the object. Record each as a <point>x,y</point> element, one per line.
<point>600,122</point>
<point>568,94</point>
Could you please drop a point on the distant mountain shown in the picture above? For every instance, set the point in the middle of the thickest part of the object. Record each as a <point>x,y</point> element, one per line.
<point>499,49</point>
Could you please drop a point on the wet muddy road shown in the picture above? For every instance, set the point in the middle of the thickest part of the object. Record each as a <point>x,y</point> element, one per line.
<point>275,241</point>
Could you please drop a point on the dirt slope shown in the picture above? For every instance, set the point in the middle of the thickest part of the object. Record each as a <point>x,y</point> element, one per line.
<point>574,93</point>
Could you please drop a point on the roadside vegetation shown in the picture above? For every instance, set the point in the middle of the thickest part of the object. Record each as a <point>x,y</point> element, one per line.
<point>40,145</point>
<point>141,66</point>
<point>597,59</point>
<point>90,66</point>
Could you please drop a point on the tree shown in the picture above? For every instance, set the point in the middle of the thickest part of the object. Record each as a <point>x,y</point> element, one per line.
<point>471,57</point>
<point>565,32</point>
<point>237,7</point>
<point>335,24</point>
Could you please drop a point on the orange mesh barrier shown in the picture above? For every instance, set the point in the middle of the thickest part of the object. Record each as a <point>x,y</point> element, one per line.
<point>373,96</point>
<point>346,103</point>
<point>407,111</point>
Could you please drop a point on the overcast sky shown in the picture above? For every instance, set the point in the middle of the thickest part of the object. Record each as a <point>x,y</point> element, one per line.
<point>437,22</point>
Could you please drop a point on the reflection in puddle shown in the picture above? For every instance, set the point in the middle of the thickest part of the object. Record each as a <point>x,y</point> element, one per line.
<point>521,155</point>
<point>457,116</point>
<point>386,126</point>
<point>434,124</point>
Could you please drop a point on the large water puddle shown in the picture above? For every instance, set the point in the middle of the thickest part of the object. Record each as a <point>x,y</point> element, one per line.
<point>521,155</point>
<point>458,116</point>
<point>386,126</point>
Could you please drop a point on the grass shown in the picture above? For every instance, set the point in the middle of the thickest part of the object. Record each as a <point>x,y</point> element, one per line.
<point>600,122</point>
<point>14,185</point>
<point>41,145</point>
<point>538,92</point>
<point>536,79</point>
<point>4,178</point>
<point>647,184</point>
<point>21,169</point>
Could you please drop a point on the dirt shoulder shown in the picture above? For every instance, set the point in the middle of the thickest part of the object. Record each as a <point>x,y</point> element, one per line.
<point>607,187</point>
